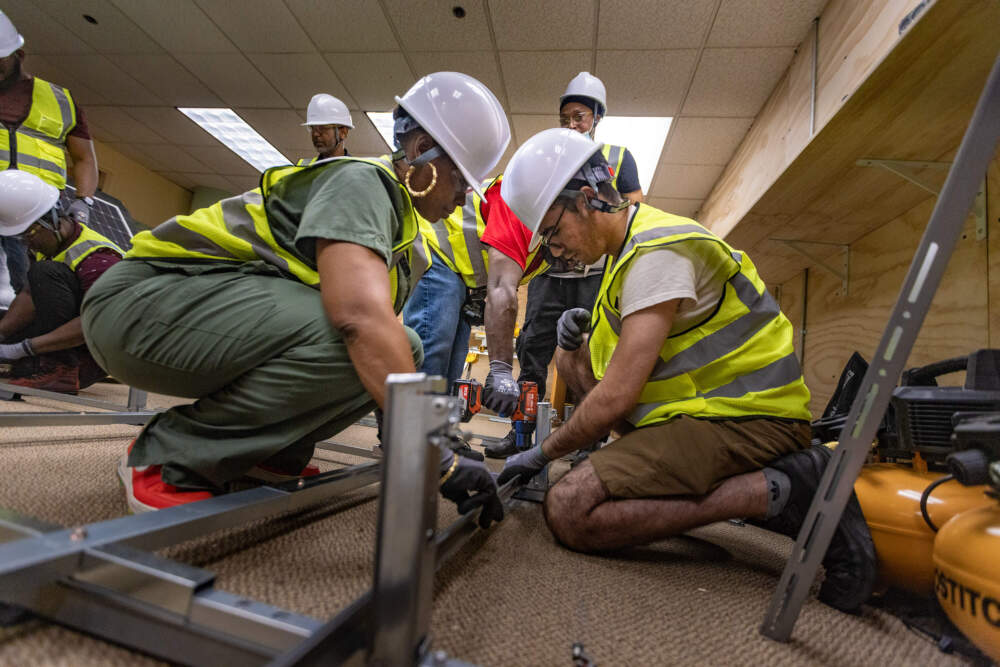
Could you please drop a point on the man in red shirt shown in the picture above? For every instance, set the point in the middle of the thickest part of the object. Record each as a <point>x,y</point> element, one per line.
<point>41,336</point>
<point>41,122</point>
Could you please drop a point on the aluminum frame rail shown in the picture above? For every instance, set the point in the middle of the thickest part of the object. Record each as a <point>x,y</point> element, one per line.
<point>133,413</point>
<point>100,578</point>
<point>391,622</point>
<point>974,155</point>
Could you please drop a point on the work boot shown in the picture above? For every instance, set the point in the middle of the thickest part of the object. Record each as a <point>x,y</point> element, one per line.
<point>47,374</point>
<point>850,562</point>
<point>507,446</point>
<point>145,490</point>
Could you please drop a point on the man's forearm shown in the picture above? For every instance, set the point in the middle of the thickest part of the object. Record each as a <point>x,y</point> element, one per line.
<point>61,338</point>
<point>20,314</point>
<point>499,318</point>
<point>592,419</point>
<point>85,174</point>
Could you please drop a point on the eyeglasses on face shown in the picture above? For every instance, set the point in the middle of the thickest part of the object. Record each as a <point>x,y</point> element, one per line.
<point>574,119</point>
<point>549,233</point>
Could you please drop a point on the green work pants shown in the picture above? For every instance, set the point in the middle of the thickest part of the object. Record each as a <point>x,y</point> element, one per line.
<point>271,375</point>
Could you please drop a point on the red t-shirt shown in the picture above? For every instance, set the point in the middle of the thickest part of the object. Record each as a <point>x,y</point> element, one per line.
<point>503,229</point>
<point>15,103</point>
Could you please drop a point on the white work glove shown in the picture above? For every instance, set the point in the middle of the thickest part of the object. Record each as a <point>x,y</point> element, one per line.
<point>79,210</point>
<point>572,325</point>
<point>16,351</point>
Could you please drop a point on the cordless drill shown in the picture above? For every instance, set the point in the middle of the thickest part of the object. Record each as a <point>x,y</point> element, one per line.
<point>471,393</point>
<point>524,415</point>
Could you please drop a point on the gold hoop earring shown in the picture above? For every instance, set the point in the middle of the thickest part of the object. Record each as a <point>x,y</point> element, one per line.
<point>427,190</point>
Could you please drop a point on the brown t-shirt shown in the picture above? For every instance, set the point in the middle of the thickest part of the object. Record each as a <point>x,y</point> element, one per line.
<point>15,103</point>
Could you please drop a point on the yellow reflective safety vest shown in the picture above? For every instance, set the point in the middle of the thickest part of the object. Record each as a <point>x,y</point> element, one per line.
<point>36,146</point>
<point>237,230</point>
<point>456,241</point>
<point>87,242</point>
<point>738,362</point>
<point>615,155</point>
<point>306,161</point>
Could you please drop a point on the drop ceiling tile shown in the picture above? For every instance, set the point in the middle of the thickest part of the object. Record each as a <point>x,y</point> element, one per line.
<point>364,139</point>
<point>169,157</point>
<point>299,76</point>
<point>216,181</point>
<point>549,25</point>
<point>42,35</point>
<point>174,126</point>
<point>263,26</point>
<point>121,126</point>
<point>244,183</point>
<point>735,82</point>
<point>138,152</point>
<point>281,127</point>
<point>179,26</point>
<point>186,181</point>
<point>684,207</point>
<point>234,79</point>
<point>373,79</point>
<point>526,126</point>
<point>480,64</point>
<point>42,66</point>
<point>653,24</point>
<point>655,83</point>
<point>685,181</point>
<point>763,22</point>
<point>344,25</point>
<point>502,164</point>
<point>430,25</point>
<point>704,140</point>
<point>177,86</point>
<point>100,74</point>
<point>536,79</point>
<point>114,32</point>
<point>218,159</point>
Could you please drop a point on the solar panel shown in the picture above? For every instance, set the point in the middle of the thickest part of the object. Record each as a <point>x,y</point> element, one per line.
<point>107,217</point>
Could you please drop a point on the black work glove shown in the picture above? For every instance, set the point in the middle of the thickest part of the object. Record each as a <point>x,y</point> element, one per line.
<point>79,210</point>
<point>501,393</point>
<point>469,485</point>
<point>524,464</point>
<point>572,325</point>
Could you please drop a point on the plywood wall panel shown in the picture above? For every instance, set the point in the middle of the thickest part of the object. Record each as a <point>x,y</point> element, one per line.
<point>993,266</point>
<point>838,325</point>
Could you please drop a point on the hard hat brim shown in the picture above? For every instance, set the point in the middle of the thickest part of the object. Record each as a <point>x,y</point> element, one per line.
<point>20,43</point>
<point>318,122</point>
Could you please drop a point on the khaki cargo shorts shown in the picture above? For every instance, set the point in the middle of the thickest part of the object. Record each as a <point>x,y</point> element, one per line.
<point>688,456</point>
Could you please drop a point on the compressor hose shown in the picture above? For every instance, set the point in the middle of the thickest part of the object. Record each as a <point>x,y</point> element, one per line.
<point>927,493</point>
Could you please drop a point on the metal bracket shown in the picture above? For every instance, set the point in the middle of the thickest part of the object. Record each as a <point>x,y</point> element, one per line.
<point>907,169</point>
<point>132,413</point>
<point>536,488</point>
<point>843,272</point>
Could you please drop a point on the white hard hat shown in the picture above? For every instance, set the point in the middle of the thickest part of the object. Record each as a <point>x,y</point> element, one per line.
<point>10,39</point>
<point>538,172</point>
<point>24,198</point>
<point>587,85</point>
<point>464,118</point>
<point>327,110</point>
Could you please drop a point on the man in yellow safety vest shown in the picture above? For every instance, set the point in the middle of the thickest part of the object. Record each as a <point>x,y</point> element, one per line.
<point>329,122</point>
<point>688,358</point>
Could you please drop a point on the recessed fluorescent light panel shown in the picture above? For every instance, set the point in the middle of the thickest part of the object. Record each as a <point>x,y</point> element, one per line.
<point>643,136</point>
<point>226,126</point>
<point>382,120</point>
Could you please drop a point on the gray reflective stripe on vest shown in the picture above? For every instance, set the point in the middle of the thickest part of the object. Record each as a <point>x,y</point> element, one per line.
<point>241,225</point>
<point>613,320</point>
<point>82,248</point>
<point>660,232</point>
<point>614,155</point>
<point>65,108</point>
<point>762,310</point>
<point>26,160</point>
<point>470,230</point>
<point>776,374</point>
<point>235,217</point>
<point>400,299</point>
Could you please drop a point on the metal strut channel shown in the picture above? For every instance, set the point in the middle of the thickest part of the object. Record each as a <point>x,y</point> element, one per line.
<point>977,149</point>
<point>93,578</point>
<point>133,413</point>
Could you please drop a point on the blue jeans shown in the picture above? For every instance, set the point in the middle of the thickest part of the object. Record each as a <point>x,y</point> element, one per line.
<point>434,311</point>
<point>17,261</point>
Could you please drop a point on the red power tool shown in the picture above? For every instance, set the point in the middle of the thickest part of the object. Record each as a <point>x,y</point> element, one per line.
<point>471,393</point>
<point>525,415</point>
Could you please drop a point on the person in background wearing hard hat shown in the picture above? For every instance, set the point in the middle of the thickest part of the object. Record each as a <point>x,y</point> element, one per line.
<point>468,249</point>
<point>40,120</point>
<point>328,121</point>
<point>41,335</point>
<point>689,358</point>
<point>565,285</point>
<point>286,338</point>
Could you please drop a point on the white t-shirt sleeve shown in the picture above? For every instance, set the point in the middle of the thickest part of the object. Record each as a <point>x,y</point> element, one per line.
<point>657,275</point>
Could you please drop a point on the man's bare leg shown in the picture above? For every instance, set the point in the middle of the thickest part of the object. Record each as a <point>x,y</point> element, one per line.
<point>581,514</point>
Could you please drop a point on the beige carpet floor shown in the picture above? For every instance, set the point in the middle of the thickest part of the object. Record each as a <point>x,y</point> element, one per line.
<point>510,597</point>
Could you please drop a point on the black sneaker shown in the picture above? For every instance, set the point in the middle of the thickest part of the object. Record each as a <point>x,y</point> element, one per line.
<point>505,447</point>
<point>850,562</point>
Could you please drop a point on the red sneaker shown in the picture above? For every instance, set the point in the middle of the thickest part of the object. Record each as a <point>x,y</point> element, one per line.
<point>50,377</point>
<point>145,490</point>
<point>273,475</point>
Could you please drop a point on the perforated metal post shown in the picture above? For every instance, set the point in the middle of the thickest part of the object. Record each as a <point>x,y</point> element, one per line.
<point>977,149</point>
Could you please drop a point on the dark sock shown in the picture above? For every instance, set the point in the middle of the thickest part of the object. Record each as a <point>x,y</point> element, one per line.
<point>779,488</point>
